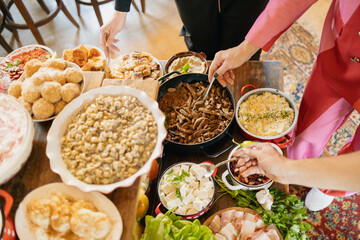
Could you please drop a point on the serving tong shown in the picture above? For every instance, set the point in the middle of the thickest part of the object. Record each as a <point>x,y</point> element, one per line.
<point>207,91</point>
<point>210,168</point>
<point>107,55</point>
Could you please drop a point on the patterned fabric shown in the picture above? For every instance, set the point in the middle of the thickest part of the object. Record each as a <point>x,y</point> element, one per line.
<point>297,50</point>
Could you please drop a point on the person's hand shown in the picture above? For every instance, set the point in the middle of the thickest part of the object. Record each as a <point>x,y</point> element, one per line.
<point>270,160</point>
<point>113,27</point>
<point>229,59</point>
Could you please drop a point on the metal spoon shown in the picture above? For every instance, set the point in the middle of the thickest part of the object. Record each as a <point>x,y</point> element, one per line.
<point>210,168</point>
<point>207,91</point>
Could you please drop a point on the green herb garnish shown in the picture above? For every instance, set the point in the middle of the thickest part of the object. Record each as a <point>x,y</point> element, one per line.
<point>185,68</point>
<point>177,180</point>
<point>12,67</point>
<point>287,212</point>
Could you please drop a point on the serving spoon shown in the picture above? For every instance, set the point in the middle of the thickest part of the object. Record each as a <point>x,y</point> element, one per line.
<point>210,168</point>
<point>207,91</point>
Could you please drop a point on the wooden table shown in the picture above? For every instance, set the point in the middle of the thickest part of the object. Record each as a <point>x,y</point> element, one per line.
<point>37,172</point>
<point>258,73</point>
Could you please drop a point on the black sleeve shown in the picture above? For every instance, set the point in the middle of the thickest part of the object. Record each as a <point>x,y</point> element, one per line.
<point>122,5</point>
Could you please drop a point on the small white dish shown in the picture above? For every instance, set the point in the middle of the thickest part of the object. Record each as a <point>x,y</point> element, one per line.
<point>102,203</point>
<point>64,118</point>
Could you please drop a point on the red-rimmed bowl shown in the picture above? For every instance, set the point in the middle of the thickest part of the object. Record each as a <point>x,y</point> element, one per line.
<point>185,216</point>
<point>282,140</point>
<point>236,184</point>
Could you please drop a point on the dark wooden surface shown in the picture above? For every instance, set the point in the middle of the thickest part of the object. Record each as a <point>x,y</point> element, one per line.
<point>37,172</point>
<point>259,73</point>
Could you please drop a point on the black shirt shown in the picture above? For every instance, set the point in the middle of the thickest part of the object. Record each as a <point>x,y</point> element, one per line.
<point>122,5</point>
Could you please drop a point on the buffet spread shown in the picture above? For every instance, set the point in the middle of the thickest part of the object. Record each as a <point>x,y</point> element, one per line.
<point>102,139</point>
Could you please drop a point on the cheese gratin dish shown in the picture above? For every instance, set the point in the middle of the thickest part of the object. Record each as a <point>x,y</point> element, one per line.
<point>266,114</point>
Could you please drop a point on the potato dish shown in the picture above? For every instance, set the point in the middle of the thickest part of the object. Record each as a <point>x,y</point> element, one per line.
<point>61,217</point>
<point>47,87</point>
<point>136,66</point>
<point>266,114</point>
<point>185,190</point>
<point>88,58</point>
<point>109,140</point>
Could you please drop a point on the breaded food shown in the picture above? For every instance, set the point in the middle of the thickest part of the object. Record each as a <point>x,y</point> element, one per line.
<point>94,52</point>
<point>59,106</point>
<point>80,55</point>
<point>27,105</point>
<point>89,224</point>
<point>55,63</point>
<point>99,63</point>
<point>38,211</point>
<point>15,89</point>
<point>135,65</point>
<point>89,59</point>
<point>69,91</point>
<point>40,77</point>
<point>30,92</point>
<point>60,214</point>
<point>68,55</point>
<point>58,76</point>
<point>88,66</point>
<point>51,91</point>
<point>31,67</point>
<point>43,109</point>
<point>73,75</point>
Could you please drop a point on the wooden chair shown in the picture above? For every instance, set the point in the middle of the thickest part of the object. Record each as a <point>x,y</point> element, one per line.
<point>4,12</point>
<point>96,5</point>
<point>30,24</point>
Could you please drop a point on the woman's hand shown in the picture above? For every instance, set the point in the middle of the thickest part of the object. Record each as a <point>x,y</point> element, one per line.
<point>229,59</point>
<point>270,160</point>
<point>113,27</point>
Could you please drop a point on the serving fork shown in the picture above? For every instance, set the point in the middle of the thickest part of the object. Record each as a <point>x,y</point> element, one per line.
<point>207,91</point>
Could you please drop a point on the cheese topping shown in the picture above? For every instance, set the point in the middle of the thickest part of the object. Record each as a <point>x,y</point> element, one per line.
<point>266,114</point>
<point>185,190</point>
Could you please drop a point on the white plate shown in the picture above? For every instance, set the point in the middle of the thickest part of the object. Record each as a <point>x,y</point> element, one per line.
<point>64,118</point>
<point>101,202</point>
<point>118,59</point>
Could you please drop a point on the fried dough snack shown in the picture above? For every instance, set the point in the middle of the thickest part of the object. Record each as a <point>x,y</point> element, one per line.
<point>43,109</point>
<point>51,91</point>
<point>48,89</point>
<point>31,67</point>
<point>89,59</point>
<point>15,89</point>
<point>61,217</point>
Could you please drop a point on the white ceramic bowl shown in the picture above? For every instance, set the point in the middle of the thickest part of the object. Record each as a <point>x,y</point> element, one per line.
<point>259,91</point>
<point>118,60</point>
<point>61,122</point>
<point>50,51</point>
<point>10,167</point>
<point>102,203</point>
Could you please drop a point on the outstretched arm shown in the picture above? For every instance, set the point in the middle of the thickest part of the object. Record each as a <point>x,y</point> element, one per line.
<point>115,25</point>
<point>340,172</point>
<point>276,18</point>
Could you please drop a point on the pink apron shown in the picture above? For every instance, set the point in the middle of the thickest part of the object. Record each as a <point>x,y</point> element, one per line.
<point>332,92</point>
